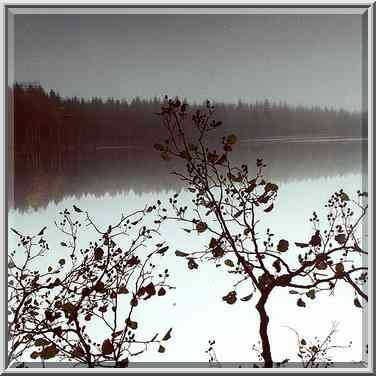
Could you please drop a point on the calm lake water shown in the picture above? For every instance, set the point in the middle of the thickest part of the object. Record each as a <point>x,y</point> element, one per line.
<point>109,182</point>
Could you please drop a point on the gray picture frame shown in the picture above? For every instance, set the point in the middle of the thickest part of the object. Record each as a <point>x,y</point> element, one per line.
<point>367,10</point>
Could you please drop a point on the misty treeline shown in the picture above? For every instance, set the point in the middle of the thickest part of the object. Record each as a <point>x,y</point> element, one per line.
<point>45,121</point>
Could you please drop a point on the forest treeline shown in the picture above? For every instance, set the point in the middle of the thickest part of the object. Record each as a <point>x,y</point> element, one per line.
<point>45,121</point>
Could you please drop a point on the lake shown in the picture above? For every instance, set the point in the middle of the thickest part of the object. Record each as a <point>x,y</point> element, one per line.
<point>112,181</point>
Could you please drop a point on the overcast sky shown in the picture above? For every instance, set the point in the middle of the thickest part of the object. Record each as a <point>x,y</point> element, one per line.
<point>300,59</point>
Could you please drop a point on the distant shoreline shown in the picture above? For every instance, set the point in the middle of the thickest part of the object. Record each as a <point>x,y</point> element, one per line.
<point>306,139</point>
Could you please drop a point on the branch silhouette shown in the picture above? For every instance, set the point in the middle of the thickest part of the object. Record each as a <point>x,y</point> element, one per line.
<point>57,313</point>
<point>228,203</point>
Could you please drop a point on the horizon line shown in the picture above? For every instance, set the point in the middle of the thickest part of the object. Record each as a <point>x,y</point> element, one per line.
<point>160,98</point>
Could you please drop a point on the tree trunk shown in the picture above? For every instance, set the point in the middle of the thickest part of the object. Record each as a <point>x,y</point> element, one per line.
<point>264,321</point>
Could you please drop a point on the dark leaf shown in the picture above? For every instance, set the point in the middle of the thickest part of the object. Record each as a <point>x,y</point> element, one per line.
<point>246,298</point>
<point>192,264</point>
<point>283,245</point>
<point>300,303</point>
<point>161,292</point>
<point>41,342</point>
<point>231,139</point>
<point>161,349</point>
<point>98,253</point>
<point>229,263</point>
<point>269,208</point>
<point>218,252</point>
<point>311,294</point>
<point>201,227</point>
<point>77,209</point>
<point>302,245</point>
<point>167,336</point>
<point>163,250</point>
<point>344,197</point>
<point>49,352</point>
<point>132,324</point>
<point>316,239</point>
<point>134,260</point>
<point>230,298</point>
<point>277,265</point>
<point>270,187</point>
<point>238,214</point>
<point>107,347</point>
<point>181,254</point>
<point>340,238</point>
<point>123,290</point>
<point>124,363</point>
<point>150,290</point>
<point>41,232</point>
<point>213,243</point>
<point>34,355</point>
<point>340,268</point>
<point>357,303</point>
<point>62,262</point>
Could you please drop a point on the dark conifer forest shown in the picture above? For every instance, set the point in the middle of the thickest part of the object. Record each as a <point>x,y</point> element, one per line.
<point>45,121</point>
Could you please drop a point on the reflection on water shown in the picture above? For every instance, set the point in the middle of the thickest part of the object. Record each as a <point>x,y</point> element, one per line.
<point>195,309</point>
<point>110,181</point>
<point>40,179</point>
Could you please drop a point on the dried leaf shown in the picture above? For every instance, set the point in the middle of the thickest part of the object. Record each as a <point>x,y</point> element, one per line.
<point>107,347</point>
<point>302,245</point>
<point>41,342</point>
<point>231,139</point>
<point>201,227</point>
<point>49,352</point>
<point>269,208</point>
<point>357,303</point>
<point>77,209</point>
<point>192,264</point>
<point>34,355</point>
<point>283,245</point>
<point>229,263</point>
<point>163,250</point>
<point>161,292</point>
<point>300,303</point>
<point>340,238</point>
<point>230,298</point>
<point>62,262</point>
<point>270,187</point>
<point>277,265</point>
<point>316,239</point>
<point>344,197</point>
<point>41,232</point>
<point>311,294</point>
<point>246,298</point>
<point>213,243</point>
<point>131,324</point>
<point>181,254</point>
<point>167,336</point>
<point>340,268</point>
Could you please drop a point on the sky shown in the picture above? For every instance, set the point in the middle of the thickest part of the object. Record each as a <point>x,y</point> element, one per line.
<point>298,59</point>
